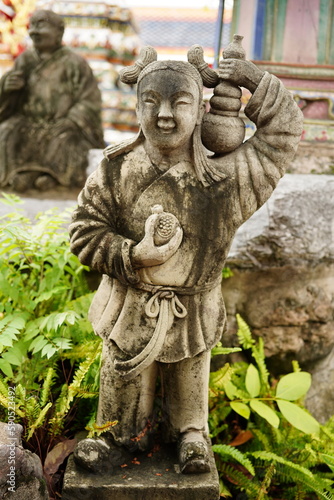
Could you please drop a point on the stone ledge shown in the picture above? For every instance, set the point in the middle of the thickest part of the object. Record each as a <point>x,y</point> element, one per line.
<point>156,478</point>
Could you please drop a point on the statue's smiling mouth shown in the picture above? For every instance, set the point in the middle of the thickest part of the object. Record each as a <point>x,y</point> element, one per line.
<point>166,127</point>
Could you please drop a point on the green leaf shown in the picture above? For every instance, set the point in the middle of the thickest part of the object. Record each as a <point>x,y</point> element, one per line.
<point>230,390</point>
<point>293,386</point>
<point>17,322</point>
<point>240,408</point>
<point>273,457</point>
<point>47,295</point>
<point>6,368</point>
<point>12,358</point>
<point>298,417</point>
<point>39,344</point>
<point>265,412</point>
<point>48,350</point>
<point>328,459</point>
<point>224,350</point>
<point>253,384</point>
<point>223,490</point>
<point>225,450</point>
<point>217,378</point>
<point>6,340</point>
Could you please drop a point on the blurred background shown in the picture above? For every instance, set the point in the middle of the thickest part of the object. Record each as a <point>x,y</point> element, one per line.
<point>293,39</point>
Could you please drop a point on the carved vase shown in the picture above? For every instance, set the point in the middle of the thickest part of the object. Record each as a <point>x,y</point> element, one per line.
<point>222,128</point>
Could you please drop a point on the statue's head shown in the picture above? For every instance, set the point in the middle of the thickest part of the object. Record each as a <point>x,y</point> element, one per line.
<point>46,30</point>
<point>170,103</point>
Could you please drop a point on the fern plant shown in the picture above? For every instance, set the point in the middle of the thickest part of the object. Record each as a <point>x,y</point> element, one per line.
<point>48,351</point>
<point>283,452</point>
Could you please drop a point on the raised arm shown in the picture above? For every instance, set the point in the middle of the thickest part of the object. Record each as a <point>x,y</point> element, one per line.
<point>260,162</point>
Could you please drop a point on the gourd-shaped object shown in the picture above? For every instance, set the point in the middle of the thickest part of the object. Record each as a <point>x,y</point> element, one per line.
<point>165,225</point>
<point>222,128</point>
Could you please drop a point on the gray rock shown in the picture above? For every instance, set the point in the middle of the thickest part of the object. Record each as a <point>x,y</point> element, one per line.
<point>283,281</point>
<point>21,472</point>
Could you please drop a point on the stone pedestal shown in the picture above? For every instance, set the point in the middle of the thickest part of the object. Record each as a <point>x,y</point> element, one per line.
<point>148,476</point>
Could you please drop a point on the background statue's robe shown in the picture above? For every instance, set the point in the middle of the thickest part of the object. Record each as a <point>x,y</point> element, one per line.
<point>116,201</point>
<point>61,86</point>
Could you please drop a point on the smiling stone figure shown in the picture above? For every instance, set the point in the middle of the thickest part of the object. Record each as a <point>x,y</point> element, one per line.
<point>49,112</point>
<point>157,219</point>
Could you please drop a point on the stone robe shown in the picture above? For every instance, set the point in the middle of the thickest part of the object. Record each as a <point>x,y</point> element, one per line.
<point>116,201</point>
<point>59,87</point>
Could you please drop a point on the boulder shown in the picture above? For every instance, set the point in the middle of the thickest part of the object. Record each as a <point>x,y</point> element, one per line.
<point>21,472</point>
<point>282,261</point>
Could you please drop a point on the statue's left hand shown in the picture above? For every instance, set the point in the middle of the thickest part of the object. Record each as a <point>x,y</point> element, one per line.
<point>147,254</point>
<point>240,72</point>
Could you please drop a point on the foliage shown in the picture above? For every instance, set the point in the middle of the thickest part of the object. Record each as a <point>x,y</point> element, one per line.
<point>49,354</point>
<point>283,452</point>
<point>227,273</point>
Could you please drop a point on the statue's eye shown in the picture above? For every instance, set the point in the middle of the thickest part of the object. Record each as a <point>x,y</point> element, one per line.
<point>181,102</point>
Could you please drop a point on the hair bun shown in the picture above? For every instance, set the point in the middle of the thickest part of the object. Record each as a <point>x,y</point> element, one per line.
<point>147,55</point>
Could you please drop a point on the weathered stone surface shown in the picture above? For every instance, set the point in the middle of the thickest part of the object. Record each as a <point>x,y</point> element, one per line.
<point>159,307</point>
<point>20,467</point>
<point>294,227</point>
<point>153,477</point>
<point>283,283</point>
<point>319,399</point>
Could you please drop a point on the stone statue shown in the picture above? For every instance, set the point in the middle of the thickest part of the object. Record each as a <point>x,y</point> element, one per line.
<point>157,219</point>
<point>49,112</point>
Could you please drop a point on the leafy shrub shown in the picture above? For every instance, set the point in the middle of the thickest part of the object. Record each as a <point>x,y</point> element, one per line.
<point>266,444</point>
<point>48,351</point>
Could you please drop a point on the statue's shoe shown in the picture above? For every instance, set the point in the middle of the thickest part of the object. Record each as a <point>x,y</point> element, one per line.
<point>23,181</point>
<point>193,453</point>
<point>45,182</point>
<point>97,455</point>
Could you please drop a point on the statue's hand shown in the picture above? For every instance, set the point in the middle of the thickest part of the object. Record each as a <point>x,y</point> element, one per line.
<point>240,72</point>
<point>14,81</point>
<point>147,254</point>
<point>63,125</point>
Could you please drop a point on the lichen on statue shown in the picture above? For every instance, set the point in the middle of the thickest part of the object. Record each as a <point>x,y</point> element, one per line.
<point>159,307</point>
<point>50,109</point>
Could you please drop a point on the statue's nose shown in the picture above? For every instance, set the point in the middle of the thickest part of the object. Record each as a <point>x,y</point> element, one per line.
<point>165,110</point>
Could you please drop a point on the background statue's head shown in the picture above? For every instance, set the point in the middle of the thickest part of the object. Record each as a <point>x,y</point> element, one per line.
<point>46,30</point>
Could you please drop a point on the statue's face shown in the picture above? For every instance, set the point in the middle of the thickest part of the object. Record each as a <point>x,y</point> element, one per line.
<point>168,108</point>
<point>45,36</point>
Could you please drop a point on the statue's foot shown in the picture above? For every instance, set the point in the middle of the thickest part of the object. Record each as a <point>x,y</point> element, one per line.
<point>45,182</point>
<point>23,181</point>
<point>193,453</point>
<point>97,455</point>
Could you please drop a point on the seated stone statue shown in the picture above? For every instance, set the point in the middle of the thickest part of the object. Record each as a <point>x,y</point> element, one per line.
<point>157,219</point>
<point>49,112</point>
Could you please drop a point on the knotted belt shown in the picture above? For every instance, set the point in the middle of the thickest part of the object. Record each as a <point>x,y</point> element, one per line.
<point>164,300</point>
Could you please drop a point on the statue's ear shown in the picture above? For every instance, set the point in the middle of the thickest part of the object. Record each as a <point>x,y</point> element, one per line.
<point>138,112</point>
<point>201,111</point>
